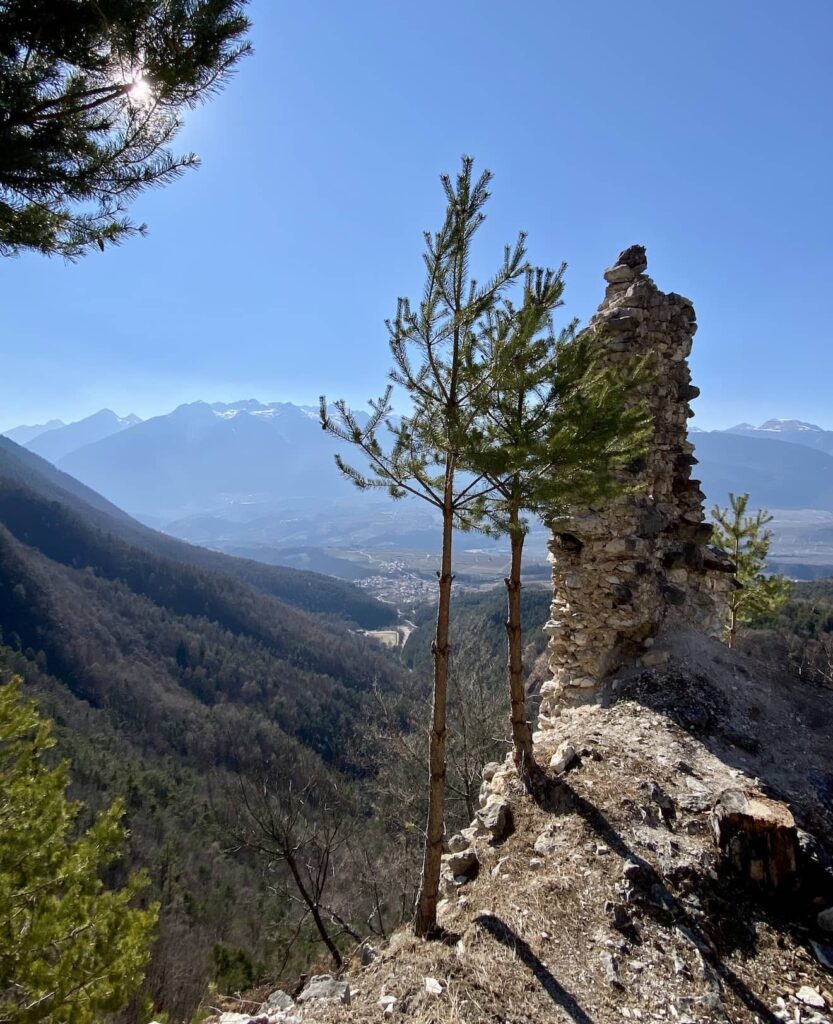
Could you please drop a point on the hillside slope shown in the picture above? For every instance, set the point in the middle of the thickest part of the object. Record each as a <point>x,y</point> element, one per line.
<point>172,629</point>
<point>609,902</point>
<point>163,677</point>
<point>313,592</point>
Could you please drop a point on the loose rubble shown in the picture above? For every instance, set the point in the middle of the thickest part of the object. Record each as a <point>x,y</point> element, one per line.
<point>612,899</point>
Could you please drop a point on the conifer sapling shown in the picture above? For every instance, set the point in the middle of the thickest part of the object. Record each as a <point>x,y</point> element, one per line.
<point>552,433</point>
<point>71,949</point>
<point>745,539</point>
<point>439,363</point>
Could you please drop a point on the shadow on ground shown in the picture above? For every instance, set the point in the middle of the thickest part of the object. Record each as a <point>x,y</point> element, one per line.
<point>501,932</point>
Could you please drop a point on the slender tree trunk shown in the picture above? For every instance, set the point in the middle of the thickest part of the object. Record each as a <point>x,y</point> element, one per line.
<point>733,624</point>
<point>733,603</point>
<point>316,913</point>
<point>471,810</point>
<point>425,918</point>
<point>521,732</point>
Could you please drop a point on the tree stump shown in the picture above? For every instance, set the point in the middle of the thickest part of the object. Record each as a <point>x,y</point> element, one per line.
<point>758,838</point>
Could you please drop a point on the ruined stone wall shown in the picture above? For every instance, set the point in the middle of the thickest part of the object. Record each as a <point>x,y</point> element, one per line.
<point>623,571</point>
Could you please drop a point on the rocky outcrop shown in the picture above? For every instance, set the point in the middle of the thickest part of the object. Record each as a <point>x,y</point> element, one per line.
<point>491,825</point>
<point>614,895</point>
<point>623,571</point>
<point>324,987</point>
<point>276,1001</point>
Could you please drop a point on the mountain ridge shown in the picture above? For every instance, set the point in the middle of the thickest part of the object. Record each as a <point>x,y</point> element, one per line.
<point>253,476</point>
<point>799,432</point>
<point>54,444</point>
<point>26,432</point>
<point>310,591</point>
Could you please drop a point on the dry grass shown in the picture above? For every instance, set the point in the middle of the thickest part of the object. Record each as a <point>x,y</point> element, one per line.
<point>531,943</point>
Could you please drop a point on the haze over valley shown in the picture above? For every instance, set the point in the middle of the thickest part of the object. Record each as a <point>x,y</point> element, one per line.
<point>257,480</point>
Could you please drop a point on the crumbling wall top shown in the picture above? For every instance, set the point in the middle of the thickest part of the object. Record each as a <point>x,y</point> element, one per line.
<point>622,572</point>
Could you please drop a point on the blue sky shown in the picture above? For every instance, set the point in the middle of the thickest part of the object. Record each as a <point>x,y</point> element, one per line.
<point>703,131</point>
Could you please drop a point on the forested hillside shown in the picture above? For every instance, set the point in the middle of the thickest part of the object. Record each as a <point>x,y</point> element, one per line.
<point>90,604</point>
<point>312,591</point>
<point>480,636</point>
<point>808,613</point>
<point>166,679</point>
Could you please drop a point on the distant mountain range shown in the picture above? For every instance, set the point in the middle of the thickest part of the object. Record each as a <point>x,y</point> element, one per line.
<point>21,435</point>
<point>58,441</point>
<point>793,431</point>
<point>198,459</point>
<point>253,477</point>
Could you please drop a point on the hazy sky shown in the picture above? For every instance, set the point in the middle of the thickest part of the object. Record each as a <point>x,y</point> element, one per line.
<point>703,131</point>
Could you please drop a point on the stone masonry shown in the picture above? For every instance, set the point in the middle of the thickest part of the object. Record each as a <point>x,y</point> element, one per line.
<point>623,571</point>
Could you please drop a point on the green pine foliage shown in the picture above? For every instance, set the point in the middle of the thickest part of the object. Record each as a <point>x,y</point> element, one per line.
<point>439,363</point>
<point>559,426</point>
<point>556,430</point>
<point>71,949</point>
<point>745,539</point>
<point>91,95</point>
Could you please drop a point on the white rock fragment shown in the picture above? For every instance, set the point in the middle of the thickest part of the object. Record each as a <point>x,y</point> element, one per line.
<point>810,997</point>
<point>563,757</point>
<point>433,987</point>
<point>387,1003</point>
<point>496,870</point>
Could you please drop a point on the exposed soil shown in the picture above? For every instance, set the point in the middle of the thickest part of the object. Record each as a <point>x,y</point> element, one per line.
<point>609,901</point>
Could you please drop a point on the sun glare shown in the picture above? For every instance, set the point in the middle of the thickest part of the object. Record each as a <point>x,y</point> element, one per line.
<point>140,91</point>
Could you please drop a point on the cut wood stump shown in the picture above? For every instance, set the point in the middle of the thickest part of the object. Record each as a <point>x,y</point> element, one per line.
<point>757,837</point>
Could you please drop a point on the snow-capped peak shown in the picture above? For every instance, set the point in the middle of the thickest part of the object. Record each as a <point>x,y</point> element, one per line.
<point>779,425</point>
<point>251,407</point>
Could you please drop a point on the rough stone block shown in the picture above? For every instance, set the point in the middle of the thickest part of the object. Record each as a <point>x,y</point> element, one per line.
<point>327,988</point>
<point>462,862</point>
<point>563,757</point>
<point>496,818</point>
<point>277,1000</point>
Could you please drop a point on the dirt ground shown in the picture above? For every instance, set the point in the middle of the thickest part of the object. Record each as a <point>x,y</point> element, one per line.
<point>608,902</point>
